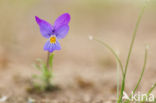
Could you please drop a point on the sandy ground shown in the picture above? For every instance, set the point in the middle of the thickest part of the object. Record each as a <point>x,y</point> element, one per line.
<point>84,71</point>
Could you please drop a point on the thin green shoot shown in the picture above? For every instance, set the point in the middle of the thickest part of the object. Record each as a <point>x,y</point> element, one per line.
<point>149,92</point>
<point>118,78</point>
<point>113,52</point>
<point>118,61</point>
<point>129,53</point>
<point>143,69</point>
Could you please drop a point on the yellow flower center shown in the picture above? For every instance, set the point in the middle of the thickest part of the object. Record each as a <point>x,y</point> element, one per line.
<point>53,39</point>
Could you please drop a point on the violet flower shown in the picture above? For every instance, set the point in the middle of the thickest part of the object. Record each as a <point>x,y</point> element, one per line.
<point>54,32</point>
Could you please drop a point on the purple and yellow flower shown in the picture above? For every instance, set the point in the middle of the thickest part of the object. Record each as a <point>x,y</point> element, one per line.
<point>54,32</point>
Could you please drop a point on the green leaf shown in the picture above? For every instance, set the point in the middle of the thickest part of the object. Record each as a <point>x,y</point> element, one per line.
<point>36,76</point>
<point>46,72</point>
<point>36,66</point>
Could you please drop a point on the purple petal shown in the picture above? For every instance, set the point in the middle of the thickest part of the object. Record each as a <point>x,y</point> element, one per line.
<point>45,27</point>
<point>62,31</point>
<point>52,46</point>
<point>61,20</point>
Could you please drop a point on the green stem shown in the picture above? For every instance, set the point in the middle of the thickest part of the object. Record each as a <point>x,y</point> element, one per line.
<point>129,53</point>
<point>47,65</point>
<point>48,73</point>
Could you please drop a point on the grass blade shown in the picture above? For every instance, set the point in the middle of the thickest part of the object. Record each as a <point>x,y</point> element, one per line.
<point>143,69</point>
<point>118,78</point>
<point>129,53</point>
<point>113,52</point>
<point>150,91</point>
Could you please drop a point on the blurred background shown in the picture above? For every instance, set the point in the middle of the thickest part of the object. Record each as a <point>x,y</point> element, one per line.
<point>81,62</point>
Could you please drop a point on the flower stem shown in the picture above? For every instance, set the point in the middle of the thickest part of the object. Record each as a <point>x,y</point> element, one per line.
<point>48,60</point>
